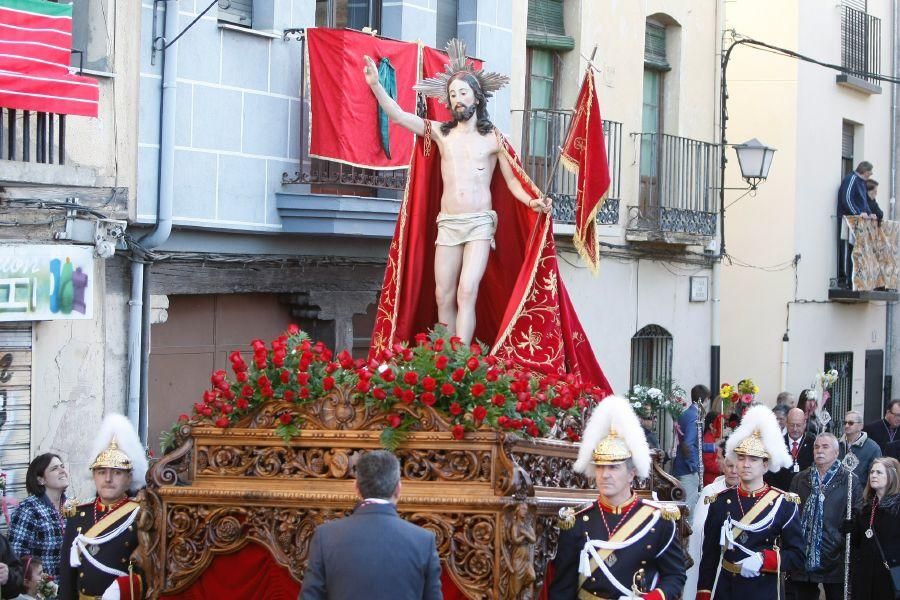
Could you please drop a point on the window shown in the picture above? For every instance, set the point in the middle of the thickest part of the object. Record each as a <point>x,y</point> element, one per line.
<point>860,40</point>
<point>447,19</point>
<point>651,356</point>
<point>842,391</point>
<point>236,12</point>
<point>655,67</point>
<point>91,41</point>
<point>541,96</point>
<point>355,14</point>
<point>847,140</point>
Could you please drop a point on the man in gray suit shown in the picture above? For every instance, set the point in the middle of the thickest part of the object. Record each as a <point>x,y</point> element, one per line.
<point>373,553</point>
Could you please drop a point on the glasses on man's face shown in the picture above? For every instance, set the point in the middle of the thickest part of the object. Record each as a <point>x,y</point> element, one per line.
<point>852,422</point>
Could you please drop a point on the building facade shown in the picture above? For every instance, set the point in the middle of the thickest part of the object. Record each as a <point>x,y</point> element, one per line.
<point>785,316</point>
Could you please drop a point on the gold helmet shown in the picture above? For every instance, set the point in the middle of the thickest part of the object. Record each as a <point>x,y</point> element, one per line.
<point>613,435</point>
<point>759,435</point>
<point>112,457</point>
<point>117,446</point>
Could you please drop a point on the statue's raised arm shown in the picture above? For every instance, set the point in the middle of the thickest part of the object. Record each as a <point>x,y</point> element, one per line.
<point>390,107</point>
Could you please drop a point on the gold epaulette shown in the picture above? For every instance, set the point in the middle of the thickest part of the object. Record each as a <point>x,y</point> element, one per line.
<point>668,511</point>
<point>70,507</point>
<point>792,497</point>
<point>567,515</point>
<point>710,499</point>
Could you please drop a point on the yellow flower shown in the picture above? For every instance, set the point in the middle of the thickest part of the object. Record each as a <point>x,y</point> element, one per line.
<point>726,391</point>
<point>755,389</point>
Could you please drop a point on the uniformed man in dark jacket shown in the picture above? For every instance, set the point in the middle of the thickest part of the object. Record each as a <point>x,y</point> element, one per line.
<point>752,531</point>
<point>101,535</point>
<point>619,544</point>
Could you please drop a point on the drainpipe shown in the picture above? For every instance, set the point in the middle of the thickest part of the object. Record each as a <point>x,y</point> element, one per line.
<point>889,313</point>
<point>138,334</point>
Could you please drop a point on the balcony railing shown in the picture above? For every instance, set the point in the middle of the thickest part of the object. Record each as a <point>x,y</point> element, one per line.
<point>860,43</point>
<point>678,186</point>
<point>328,177</point>
<point>543,132</point>
<point>28,136</point>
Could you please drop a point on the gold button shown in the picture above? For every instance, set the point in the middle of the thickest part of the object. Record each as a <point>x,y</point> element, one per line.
<point>643,562</point>
<point>728,501</point>
<point>586,518</point>
<point>81,514</point>
<point>649,547</point>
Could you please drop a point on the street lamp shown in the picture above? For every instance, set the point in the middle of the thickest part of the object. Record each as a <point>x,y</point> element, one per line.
<point>755,159</point>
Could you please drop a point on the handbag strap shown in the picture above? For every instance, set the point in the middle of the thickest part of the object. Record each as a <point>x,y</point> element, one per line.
<point>880,550</point>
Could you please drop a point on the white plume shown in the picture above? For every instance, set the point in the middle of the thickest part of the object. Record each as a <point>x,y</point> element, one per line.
<point>615,412</point>
<point>762,419</point>
<point>118,426</point>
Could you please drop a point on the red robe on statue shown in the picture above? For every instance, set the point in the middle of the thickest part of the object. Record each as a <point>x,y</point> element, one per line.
<point>523,311</point>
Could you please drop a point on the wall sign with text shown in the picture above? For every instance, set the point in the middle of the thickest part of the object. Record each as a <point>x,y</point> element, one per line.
<point>46,282</point>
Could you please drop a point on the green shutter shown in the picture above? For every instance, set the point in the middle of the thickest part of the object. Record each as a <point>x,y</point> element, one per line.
<point>545,26</point>
<point>655,47</point>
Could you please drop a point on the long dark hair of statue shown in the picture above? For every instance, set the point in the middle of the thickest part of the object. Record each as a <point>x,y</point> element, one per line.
<point>483,121</point>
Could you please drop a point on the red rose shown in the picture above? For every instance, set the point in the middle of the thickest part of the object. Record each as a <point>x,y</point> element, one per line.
<point>206,411</point>
<point>492,374</point>
<point>331,368</point>
<point>421,339</point>
<point>428,399</point>
<point>394,420</point>
<point>305,346</point>
<point>472,364</point>
<point>498,400</point>
<point>407,355</point>
<point>303,378</point>
<point>258,344</point>
<point>429,384</point>
<point>222,422</point>
<point>242,403</point>
<point>263,381</point>
<point>459,432</point>
<point>217,377</point>
<point>293,329</point>
<point>304,392</point>
<point>408,396</point>
<point>285,376</point>
<point>183,417</point>
<point>285,418</point>
<point>411,378</point>
<point>242,376</point>
<point>551,420</point>
<point>503,421</point>
<point>209,396</point>
<point>475,349</point>
<point>398,348</point>
<point>440,362</point>
<point>447,389</point>
<point>247,391</point>
<point>288,396</point>
<point>438,344</point>
<point>379,394</point>
<point>278,359</point>
<point>362,386</point>
<point>266,392</point>
<point>227,409</point>
<point>397,391</point>
<point>328,383</point>
<point>345,359</point>
<point>389,375</point>
<point>491,360</point>
<point>458,375</point>
<point>477,390</point>
<point>235,357</point>
<point>479,413</point>
<point>455,409</point>
<point>455,341</point>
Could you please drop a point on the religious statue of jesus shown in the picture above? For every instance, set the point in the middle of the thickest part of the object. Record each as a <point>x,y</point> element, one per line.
<point>470,151</point>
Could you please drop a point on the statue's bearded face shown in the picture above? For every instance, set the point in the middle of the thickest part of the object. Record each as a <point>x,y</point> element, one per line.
<point>463,102</point>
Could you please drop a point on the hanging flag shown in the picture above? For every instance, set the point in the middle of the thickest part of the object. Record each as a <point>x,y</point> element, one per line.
<point>584,154</point>
<point>345,123</point>
<point>35,46</point>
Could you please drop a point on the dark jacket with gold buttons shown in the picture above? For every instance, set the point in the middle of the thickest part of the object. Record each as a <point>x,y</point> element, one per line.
<point>658,552</point>
<point>88,580</point>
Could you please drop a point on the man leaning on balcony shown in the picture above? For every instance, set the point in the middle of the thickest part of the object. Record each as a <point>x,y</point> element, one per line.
<point>853,200</point>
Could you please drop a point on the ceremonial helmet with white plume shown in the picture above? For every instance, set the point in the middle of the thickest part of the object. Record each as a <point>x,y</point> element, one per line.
<point>759,435</point>
<point>117,446</point>
<point>613,435</point>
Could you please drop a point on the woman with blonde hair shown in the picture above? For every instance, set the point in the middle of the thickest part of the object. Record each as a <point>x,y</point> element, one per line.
<point>876,533</point>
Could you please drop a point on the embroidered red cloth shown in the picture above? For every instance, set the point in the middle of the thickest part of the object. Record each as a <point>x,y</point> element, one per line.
<point>35,46</point>
<point>584,153</point>
<point>344,123</point>
<point>523,310</point>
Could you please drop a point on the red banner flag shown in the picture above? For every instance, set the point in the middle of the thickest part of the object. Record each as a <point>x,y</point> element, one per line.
<point>345,124</point>
<point>35,45</point>
<point>584,154</point>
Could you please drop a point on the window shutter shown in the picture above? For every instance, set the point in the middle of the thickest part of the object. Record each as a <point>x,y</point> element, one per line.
<point>238,12</point>
<point>545,26</point>
<point>655,47</point>
<point>847,141</point>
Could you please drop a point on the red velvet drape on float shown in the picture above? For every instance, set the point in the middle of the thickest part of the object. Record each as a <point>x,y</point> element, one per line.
<point>523,310</point>
<point>251,572</point>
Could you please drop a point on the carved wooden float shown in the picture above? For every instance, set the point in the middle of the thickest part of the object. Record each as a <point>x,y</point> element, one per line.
<point>491,499</point>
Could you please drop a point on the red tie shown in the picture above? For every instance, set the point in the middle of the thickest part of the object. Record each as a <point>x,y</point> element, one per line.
<point>794,450</point>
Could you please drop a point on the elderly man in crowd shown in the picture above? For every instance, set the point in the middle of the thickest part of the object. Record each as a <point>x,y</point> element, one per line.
<point>857,451</point>
<point>823,490</point>
<point>786,399</point>
<point>799,445</point>
<point>884,432</point>
<point>781,411</point>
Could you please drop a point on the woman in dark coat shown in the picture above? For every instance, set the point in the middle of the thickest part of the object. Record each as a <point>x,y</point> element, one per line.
<point>880,515</point>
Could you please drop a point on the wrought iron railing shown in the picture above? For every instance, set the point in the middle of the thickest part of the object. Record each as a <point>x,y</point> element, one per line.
<point>543,133</point>
<point>29,136</point>
<point>678,185</point>
<point>330,177</point>
<point>860,43</point>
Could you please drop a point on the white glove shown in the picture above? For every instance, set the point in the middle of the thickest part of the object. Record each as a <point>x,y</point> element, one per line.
<point>112,592</point>
<point>751,565</point>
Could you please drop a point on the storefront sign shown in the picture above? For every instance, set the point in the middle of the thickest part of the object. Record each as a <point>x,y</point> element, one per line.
<point>46,282</point>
